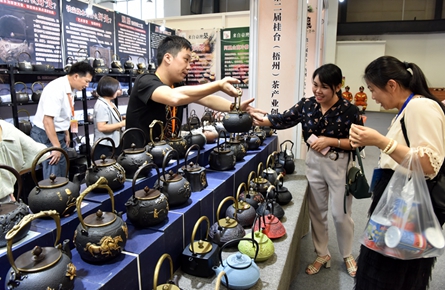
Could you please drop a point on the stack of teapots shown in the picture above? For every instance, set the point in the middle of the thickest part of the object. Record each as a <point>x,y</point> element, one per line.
<point>40,268</point>
<point>146,207</point>
<point>133,158</point>
<point>193,172</point>
<point>107,168</point>
<point>101,236</point>
<point>245,213</point>
<point>221,157</point>
<point>174,185</point>
<point>174,139</point>
<point>11,213</point>
<point>158,148</point>
<point>199,257</point>
<point>56,193</point>
<point>228,228</point>
<point>237,121</point>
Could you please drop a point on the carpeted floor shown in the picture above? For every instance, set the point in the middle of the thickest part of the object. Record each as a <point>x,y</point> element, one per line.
<point>336,277</point>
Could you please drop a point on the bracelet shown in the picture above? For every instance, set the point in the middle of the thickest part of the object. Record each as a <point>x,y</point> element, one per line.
<point>338,143</point>
<point>393,147</point>
<point>388,146</point>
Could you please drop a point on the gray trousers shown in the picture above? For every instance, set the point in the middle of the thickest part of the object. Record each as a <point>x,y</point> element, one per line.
<point>326,180</point>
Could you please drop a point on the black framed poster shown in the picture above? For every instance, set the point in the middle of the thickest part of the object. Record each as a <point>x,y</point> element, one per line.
<point>235,54</point>
<point>86,34</point>
<point>157,33</point>
<point>30,31</point>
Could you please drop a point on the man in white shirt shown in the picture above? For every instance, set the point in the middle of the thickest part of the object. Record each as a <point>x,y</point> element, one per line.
<point>55,115</point>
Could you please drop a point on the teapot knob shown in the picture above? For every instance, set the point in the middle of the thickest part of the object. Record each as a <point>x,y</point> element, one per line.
<point>170,172</point>
<point>99,214</point>
<point>200,244</point>
<point>239,256</point>
<point>191,164</point>
<point>133,146</point>
<point>146,189</point>
<point>36,252</point>
<point>166,287</point>
<point>52,177</point>
<point>103,157</point>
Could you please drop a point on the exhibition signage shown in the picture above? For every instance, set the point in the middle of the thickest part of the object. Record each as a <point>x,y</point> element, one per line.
<point>157,33</point>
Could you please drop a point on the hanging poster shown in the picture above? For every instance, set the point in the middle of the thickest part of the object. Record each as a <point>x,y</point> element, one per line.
<point>131,39</point>
<point>88,35</point>
<point>30,31</point>
<point>157,33</point>
<point>235,54</point>
<point>202,63</point>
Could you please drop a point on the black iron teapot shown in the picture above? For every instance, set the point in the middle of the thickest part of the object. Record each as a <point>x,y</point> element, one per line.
<point>195,135</point>
<point>260,133</point>
<point>174,185</point>
<point>158,148</point>
<point>193,120</point>
<point>142,65</point>
<point>277,166</point>
<point>35,97</point>
<point>131,159</point>
<point>146,207</point>
<point>129,65</point>
<point>24,65</point>
<point>270,205</point>
<point>42,267</point>
<point>237,148</point>
<point>25,124</point>
<point>68,63</point>
<point>236,120</point>
<point>228,228</point>
<point>101,236</point>
<point>208,116</point>
<point>221,157</point>
<point>286,157</point>
<point>56,193</point>
<point>251,196</point>
<point>172,283</point>
<point>200,256</point>
<point>98,62</point>
<point>268,130</point>
<point>245,213</point>
<point>105,167</point>
<point>258,182</point>
<point>22,95</point>
<point>11,213</point>
<point>253,141</point>
<point>283,194</point>
<point>269,173</point>
<point>116,62</point>
<point>174,138</point>
<point>193,172</point>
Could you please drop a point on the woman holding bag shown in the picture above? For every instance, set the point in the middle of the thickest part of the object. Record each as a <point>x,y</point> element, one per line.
<point>400,85</point>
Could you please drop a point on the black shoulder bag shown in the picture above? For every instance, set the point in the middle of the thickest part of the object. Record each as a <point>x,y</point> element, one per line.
<point>356,183</point>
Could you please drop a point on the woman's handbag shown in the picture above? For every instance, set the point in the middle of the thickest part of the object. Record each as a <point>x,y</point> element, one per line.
<point>356,183</point>
<point>403,224</point>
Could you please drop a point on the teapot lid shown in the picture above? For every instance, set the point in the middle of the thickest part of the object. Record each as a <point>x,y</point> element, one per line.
<point>38,259</point>
<point>242,205</point>
<point>260,237</point>
<point>192,167</point>
<point>100,219</point>
<point>168,287</point>
<point>104,161</point>
<point>171,177</point>
<point>133,149</point>
<point>53,181</point>
<point>201,247</point>
<point>147,193</point>
<point>239,261</point>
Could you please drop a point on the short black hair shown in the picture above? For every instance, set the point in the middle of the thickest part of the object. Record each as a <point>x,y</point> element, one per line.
<point>172,44</point>
<point>82,69</point>
<point>329,74</point>
<point>107,86</point>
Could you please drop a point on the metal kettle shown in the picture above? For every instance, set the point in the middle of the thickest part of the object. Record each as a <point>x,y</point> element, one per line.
<point>286,157</point>
<point>25,124</point>
<point>283,194</point>
<point>22,95</point>
<point>221,157</point>
<point>227,228</point>
<point>35,97</point>
<point>193,172</point>
<point>259,183</point>
<point>174,138</point>
<point>236,120</point>
<point>266,248</point>
<point>270,204</point>
<point>56,193</point>
<point>245,213</point>
<point>200,256</point>
<point>158,147</point>
<point>269,173</point>
<point>42,267</point>
<point>172,283</point>
<point>237,147</point>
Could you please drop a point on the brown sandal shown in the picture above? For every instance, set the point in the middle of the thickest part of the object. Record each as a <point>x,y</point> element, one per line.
<point>351,266</point>
<point>321,261</point>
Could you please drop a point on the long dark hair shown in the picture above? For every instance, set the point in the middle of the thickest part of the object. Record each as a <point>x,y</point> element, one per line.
<point>385,68</point>
<point>331,75</point>
<point>172,44</point>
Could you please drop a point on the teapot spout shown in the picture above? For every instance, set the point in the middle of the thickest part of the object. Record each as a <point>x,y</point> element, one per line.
<point>77,178</point>
<point>66,248</point>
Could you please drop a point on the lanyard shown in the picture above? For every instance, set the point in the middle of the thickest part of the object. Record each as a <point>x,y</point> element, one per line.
<point>404,105</point>
<point>70,98</point>
<point>170,109</point>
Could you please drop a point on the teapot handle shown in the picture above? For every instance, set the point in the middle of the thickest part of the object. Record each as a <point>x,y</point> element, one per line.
<point>145,60</point>
<point>97,51</point>
<point>188,152</point>
<point>269,190</point>
<point>153,123</point>
<point>229,222</point>
<point>166,159</point>
<point>279,180</point>
<point>243,184</point>
<point>270,158</point>
<point>115,57</point>
<point>94,148</point>
<point>17,176</point>
<point>139,171</point>
<point>24,89</point>
<point>37,82</point>
<point>259,170</point>
<point>292,144</point>
<point>70,59</point>
<point>249,178</point>
<point>23,222</point>
<point>234,241</point>
<point>134,129</point>
<point>24,52</point>
<point>195,229</point>
<point>100,183</point>
<point>219,278</point>
<point>193,114</point>
<point>158,267</point>
<point>37,158</point>
<point>25,111</point>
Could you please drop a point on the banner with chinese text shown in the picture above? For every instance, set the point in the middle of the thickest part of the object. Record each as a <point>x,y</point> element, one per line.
<point>131,38</point>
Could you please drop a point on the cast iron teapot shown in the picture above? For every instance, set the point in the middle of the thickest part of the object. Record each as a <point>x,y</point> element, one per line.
<point>42,267</point>
<point>193,120</point>
<point>11,213</point>
<point>35,97</point>
<point>200,256</point>
<point>174,185</point>
<point>269,173</point>
<point>131,159</point>
<point>270,204</point>
<point>277,166</point>
<point>283,194</point>
<point>241,270</point>
<point>158,148</point>
<point>221,157</point>
<point>227,228</point>
<point>251,196</point>
<point>286,157</point>
<point>22,95</point>
<point>174,138</point>
<point>129,65</point>
<point>245,213</point>
<point>236,120</point>
<point>116,61</point>
<point>193,172</point>
<point>105,167</point>
<point>25,124</point>
<point>82,55</point>
<point>260,133</point>
<point>259,183</point>
<point>24,65</point>
<point>101,236</point>
<point>195,135</point>
<point>172,283</point>
<point>268,130</point>
<point>142,65</point>
<point>98,62</point>
<point>208,116</point>
<point>237,148</point>
<point>271,227</point>
<point>253,141</point>
<point>56,193</point>
<point>148,206</point>
<point>266,248</point>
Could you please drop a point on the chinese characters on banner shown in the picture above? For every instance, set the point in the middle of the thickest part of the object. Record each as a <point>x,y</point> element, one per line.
<point>235,54</point>
<point>202,63</point>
